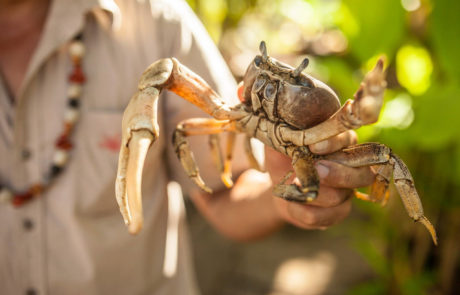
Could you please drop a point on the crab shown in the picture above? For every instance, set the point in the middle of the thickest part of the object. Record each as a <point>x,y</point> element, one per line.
<point>281,106</point>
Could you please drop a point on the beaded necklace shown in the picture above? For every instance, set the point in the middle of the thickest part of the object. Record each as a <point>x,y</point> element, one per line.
<point>63,144</point>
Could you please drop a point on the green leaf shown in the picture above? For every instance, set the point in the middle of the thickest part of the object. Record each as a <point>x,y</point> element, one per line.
<point>437,117</point>
<point>372,27</point>
<point>369,288</point>
<point>445,23</point>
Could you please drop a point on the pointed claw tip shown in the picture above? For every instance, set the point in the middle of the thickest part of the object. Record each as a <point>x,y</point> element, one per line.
<point>227,180</point>
<point>311,196</point>
<point>380,62</point>
<point>199,181</point>
<point>134,228</point>
<point>430,229</point>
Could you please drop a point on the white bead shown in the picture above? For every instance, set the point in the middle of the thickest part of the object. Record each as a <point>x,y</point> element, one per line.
<point>60,158</point>
<point>74,90</point>
<point>77,49</point>
<point>71,115</point>
<point>5,196</point>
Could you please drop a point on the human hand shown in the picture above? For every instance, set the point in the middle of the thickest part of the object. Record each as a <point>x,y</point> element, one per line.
<point>333,203</point>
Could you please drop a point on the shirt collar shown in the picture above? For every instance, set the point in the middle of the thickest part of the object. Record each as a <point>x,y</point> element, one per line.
<point>65,19</point>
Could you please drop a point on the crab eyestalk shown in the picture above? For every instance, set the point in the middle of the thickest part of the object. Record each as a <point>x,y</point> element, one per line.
<point>303,65</point>
<point>263,51</point>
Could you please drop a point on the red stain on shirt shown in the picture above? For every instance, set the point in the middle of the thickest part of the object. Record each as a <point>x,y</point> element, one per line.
<point>111,143</point>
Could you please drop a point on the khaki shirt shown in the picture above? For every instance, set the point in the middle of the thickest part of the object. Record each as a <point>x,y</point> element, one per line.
<point>72,240</point>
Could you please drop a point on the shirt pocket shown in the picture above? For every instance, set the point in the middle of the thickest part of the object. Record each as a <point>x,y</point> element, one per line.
<point>97,148</point>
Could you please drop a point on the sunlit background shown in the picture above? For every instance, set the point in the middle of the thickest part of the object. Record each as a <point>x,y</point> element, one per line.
<point>377,250</point>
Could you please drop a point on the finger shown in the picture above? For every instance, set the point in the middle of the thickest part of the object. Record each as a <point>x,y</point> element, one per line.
<point>340,176</point>
<point>335,143</point>
<point>331,197</point>
<point>312,217</point>
<point>276,164</point>
<point>240,91</point>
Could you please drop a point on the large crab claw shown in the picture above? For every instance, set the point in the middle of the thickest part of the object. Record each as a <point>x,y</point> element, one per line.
<point>140,127</point>
<point>139,130</point>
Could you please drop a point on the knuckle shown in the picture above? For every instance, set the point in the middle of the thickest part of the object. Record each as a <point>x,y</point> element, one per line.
<point>340,176</point>
<point>337,197</point>
<point>331,197</point>
<point>353,137</point>
<point>304,214</point>
<point>347,179</point>
<point>309,218</point>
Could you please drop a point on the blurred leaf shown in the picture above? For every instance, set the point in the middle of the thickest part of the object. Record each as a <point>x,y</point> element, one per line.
<point>437,117</point>
<point>397,113</point>
<point>418,284</point>
<point>457,166</point>
<point>374,26</point>
<point>374,257</point>
<point>445,24</point>
<point>340,77</point>
<point>369,288</point>
<point>413,68</point>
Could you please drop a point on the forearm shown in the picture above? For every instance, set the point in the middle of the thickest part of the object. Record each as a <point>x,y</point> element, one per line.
<point>244,213</point>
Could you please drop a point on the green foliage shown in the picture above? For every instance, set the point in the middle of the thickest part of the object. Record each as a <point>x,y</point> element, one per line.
<point>444,36</point>
<point>378,26</point>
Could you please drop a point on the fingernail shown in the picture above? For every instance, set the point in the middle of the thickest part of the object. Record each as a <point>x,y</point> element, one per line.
<point>319,146</point>
<point>323,170</point>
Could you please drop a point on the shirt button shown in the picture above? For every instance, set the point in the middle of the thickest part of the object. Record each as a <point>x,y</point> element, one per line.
<point>25,154</point>
<point>31,291</point>
<point>28,224</point>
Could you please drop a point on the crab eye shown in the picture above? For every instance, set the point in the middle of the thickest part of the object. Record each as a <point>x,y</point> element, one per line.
<point>270,91</point>
<point>258,84</point>
<point>305,82</point>
<point>258,60</point>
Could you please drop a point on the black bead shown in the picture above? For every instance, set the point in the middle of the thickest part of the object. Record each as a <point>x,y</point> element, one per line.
<point>25,154</point>
<point>55,170</point>
<point>74,103</point>
<point>28,224</point>
<point>79,37</point>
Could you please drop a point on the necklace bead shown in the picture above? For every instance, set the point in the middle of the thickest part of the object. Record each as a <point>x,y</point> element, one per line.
<point>5,195</point>
<point>63,145</point>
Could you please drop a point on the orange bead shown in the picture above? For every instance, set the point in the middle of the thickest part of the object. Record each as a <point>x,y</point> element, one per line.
<point>64,143</point>
<point>77,75</point>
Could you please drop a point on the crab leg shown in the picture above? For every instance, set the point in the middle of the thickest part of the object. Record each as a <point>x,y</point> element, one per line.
<point>379,189</point>
<point>406,189</point>
<point>372,154</point>
<point>363,110</point>
<point>250,155</point>
<point>304,167</point>
<point>200,126</point>
<point>141,117</point>
<point>226,174</point>
<point>224,166</point>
